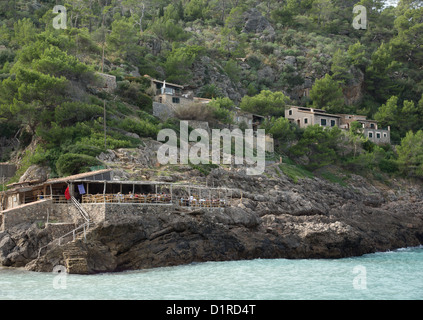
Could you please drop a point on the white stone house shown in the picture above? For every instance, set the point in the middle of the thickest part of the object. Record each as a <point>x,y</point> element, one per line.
<point>304,117</point>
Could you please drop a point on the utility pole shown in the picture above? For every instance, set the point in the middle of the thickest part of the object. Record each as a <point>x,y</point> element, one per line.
<point>3,179</point>
<point>104,120</point>
<point>104,41</point>
<point>102,59</point>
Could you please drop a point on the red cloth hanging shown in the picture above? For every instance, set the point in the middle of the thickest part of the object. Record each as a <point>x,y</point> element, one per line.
<point>67,194</point>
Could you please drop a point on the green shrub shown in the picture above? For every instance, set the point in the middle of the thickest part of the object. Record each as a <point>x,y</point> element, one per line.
<point>287,160</point>
<point>388,165</point>
<point>147,117</point>
<point>57,135</point>
<point>295,172</point>
<point>361,163</point>
<point>119,107</point>
<point>132,92</point>
<point>254,62</point>
<point>72,163</point>
<point>333,178</point>
<point>71,112</point>
<point>143,81</point>
<point>170,123</point>
<point>8,128</point>
<point>179,61</point>
<point>88,150</point>
<point>45,157</point>
<point>210,91</point>
<point>6,55</point>
<point>113,142</point>
<point>145,102</point>
<point>142,128</point>
<point>267,49</point>
<point>204,169</point>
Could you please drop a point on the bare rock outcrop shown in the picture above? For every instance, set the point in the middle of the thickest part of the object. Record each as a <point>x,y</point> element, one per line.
<point>35,172</point>
<point>205,70</point>
<point>256,23</point>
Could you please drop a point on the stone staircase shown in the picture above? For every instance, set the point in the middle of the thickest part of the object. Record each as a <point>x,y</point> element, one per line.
<point>71,236</point>
<point>75,259</point>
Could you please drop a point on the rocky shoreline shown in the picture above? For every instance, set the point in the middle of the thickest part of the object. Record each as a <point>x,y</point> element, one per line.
<point>271,217</point>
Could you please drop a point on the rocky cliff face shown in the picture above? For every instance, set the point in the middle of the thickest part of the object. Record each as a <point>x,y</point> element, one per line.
<point>270,217</point>
<point>207,71</point>
<point>257,24</point>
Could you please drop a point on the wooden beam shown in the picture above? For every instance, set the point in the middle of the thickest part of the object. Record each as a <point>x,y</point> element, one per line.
<point>104,192</point>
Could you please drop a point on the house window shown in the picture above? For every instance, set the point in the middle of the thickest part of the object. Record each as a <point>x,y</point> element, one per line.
<point>322,122</point>
<point>370,134</point>
<point>175,100</point>
<point>290,112</point>
<point>332,123</point>
<point>168,91</point>
<point>378,135</point>
<point>385,135</point>
<point>305,120</point>
<point>372,125</point>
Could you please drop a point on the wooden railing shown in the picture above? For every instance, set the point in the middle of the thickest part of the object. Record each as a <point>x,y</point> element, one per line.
<point>202,203</point>
<point>154,199</point>
<point>159,198</point>
<point>127,198</point>
<point>56,199</point>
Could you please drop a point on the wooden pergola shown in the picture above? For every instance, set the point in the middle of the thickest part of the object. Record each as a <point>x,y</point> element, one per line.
<point>87,191</point>
<point>99,187</point>
<point>201,196</point>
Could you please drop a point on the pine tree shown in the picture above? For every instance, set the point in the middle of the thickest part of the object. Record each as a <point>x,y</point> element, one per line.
<point>326,94</point>
<point>341,64</point>
<point>410,154</point>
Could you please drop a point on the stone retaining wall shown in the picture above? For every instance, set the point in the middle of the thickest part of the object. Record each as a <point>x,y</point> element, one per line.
<point>108,81</point>
<point>7,170</point>
<point>68,214</point>
<point>65,213</point>
<point>60,229</point>
<point>115,212</point>
<point>162,111</point>
<point>99,212</point>
<point>96,211</point>
<point>31,212</point>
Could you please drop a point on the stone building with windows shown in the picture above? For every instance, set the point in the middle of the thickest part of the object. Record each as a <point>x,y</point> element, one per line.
<point>248,120</point>
<point>304,117</point>
<point>371,128</point>
<point>169,96</point>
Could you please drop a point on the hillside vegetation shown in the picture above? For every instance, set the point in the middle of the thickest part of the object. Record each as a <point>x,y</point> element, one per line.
<point>258,55</point>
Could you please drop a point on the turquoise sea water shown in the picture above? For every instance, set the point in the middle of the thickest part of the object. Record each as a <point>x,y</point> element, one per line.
<point>395,275</point>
